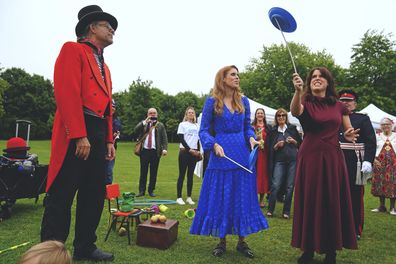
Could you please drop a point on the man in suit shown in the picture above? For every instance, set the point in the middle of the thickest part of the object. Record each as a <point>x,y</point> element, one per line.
<point>155,145</point>
<point>82,137</point>
<point>359,156</point>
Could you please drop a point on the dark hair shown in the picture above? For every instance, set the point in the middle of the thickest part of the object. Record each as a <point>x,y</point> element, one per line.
<point>255,119</point>
<point>331,95</point>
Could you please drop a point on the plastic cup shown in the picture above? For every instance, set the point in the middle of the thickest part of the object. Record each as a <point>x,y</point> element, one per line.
<point>189,213</point>
<point>163,208</point>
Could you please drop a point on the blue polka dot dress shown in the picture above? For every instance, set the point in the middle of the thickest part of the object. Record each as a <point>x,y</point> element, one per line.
<point>228,201</point>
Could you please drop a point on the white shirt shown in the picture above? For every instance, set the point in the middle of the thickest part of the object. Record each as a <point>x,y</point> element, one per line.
<point>282,130</point>
<point>152,140</point>
<point>190,132</point>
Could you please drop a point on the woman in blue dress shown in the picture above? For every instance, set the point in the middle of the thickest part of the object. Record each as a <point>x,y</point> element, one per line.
<point>228,204</point>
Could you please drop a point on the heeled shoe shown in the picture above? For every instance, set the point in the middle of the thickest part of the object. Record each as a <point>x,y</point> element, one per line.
<point>305,258</point>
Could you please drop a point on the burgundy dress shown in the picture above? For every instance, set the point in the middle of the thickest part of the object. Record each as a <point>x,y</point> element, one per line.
<point>261,165</point>
<point>323,219</point>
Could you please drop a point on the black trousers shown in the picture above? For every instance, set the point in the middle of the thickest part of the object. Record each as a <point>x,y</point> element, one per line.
<point>186,161</point>
<point>357,196</point>
<point>148,157</point>
<point>88,179</point>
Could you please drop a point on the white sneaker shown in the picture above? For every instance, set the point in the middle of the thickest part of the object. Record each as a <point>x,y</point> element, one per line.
<point>189,200</point>
<point>393,212</point>
<point>180,201</point>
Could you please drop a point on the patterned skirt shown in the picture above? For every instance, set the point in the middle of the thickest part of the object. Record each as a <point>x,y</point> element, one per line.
<point>384,175</point>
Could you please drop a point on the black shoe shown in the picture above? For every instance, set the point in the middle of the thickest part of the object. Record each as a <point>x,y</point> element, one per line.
<point>219,250</point>
<point>152,194</point>
<point>305,258</point>
<point>243,247</point>
<point>97,255</point>
<point>330,258</point>
<point>140,194</point>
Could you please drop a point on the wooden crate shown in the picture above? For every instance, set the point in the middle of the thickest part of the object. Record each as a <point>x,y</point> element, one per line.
<point>157,235</point>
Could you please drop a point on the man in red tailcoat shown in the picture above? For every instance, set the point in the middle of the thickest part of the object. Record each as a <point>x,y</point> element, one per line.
<point>82,137</point>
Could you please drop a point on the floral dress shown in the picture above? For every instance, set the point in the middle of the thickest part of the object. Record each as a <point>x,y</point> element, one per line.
<point>384,176</point>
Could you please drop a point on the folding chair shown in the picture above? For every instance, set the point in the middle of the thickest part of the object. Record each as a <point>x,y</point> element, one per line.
<point>112,194</point>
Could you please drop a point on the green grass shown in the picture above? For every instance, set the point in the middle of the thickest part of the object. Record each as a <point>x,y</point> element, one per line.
<point>271,246</point>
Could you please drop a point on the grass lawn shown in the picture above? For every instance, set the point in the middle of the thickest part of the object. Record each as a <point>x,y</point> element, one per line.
<point>378,244</point>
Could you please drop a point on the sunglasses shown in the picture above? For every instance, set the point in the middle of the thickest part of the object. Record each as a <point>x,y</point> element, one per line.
<point>281,115</point>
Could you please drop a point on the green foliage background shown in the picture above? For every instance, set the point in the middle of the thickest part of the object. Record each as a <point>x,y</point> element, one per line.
<point>271,246</point>
<point>267,80</point>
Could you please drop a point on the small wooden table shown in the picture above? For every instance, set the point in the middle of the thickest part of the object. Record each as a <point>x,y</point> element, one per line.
<point>157,235</point>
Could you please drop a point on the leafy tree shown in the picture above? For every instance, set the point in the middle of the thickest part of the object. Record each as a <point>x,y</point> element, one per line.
<point>184,100</point>
<point>134,104</point>
<point>171,128</point>
<point>372,71</point>
<point>267,79</point>
<point>28,97</point>
<point>3,87</point>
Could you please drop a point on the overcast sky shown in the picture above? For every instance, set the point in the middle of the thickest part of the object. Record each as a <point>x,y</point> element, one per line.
<point>180,44</point>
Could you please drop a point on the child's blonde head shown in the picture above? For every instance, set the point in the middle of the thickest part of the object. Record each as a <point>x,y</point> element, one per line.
<point>48,252</point>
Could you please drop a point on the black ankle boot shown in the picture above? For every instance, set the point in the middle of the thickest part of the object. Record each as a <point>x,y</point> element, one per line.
<point>243,247</point>
<point>306,257</point>
<point>330,258</point>
<point>220,249</point>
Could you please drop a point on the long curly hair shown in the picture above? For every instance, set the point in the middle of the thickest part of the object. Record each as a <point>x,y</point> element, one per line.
<point>218,92</point>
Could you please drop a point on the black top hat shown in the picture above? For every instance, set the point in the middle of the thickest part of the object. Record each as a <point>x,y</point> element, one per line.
<point>92,13</point>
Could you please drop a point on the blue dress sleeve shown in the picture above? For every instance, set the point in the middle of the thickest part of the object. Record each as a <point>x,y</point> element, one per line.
<point>207,121</point>
<point>248,129</point>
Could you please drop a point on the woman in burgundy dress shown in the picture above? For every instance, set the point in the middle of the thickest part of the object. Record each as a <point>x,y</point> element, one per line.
<point>261,129</point>
<point>323,219</point>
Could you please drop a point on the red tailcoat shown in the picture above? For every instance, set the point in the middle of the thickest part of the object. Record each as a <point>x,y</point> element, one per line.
<point>77,83</point>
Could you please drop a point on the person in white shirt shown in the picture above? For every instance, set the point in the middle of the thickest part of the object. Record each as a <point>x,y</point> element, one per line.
<point>189,153</point>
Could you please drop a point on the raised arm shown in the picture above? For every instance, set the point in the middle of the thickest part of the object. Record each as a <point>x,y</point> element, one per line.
<point>296,108</point>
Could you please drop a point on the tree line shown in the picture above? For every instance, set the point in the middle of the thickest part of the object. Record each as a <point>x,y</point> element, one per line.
<point>267,80</point>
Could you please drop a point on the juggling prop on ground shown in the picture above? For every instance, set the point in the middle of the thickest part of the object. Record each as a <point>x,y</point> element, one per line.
<point>14,247</point>
<point>149,202</point>
<point>285,22</point>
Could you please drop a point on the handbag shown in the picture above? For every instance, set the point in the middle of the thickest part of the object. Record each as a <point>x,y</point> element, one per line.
<point>139,143</point>
<point>138,147</point>
<point>198,156</point>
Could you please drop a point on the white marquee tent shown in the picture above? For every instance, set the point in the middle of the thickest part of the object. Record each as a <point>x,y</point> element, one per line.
<point>376,115</point>
<point>269,114</point>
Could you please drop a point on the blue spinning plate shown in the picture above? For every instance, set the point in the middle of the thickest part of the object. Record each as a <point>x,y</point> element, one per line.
<point>286,21</point>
